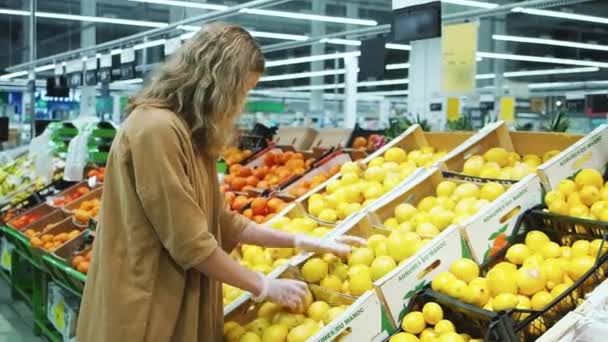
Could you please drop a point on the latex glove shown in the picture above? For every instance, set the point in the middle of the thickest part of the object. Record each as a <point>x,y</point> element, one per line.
<point>285,292</point>
<point>340,246</point>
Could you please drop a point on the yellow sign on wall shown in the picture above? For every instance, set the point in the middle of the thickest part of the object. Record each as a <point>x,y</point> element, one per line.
<point>459,62</point>
<point>453,111</point>
<point>507,109</point>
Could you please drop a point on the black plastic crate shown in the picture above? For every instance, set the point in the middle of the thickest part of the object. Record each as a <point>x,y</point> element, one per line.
<point>528,325</point>
<point>467,319</point>
<point>360,132</point>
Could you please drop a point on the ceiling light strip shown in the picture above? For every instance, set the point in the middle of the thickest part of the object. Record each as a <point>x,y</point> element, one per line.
<point>553,42</point>
<point>308,59</point>
<point>539,59</point>
<point>471,3</point>
<point>311,17</point>
<point>302,75</point>
<point>189,4</point>
<point>562,15</point>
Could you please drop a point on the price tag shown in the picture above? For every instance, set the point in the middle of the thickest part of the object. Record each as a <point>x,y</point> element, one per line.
<point>92,182</point>
<point>6,259</point>
<point>105,61</point>
<point>59,69</point>
<point>59,314</point>
<point>127,56</point>
<point>91,63</point>
<point>171,45</point>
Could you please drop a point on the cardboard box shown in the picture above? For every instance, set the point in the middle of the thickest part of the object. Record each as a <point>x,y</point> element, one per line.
<point>447,140</point>
<point>62,310</point>
<point>301,138</point>
<point>331,137</point>
<point>365,319</point>
<point>589,152</point>
<point>487,230</point>
<point>498,135</point>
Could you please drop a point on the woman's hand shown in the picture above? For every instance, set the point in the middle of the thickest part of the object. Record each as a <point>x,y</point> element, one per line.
<point>285,292</point>
<point>340,246</point>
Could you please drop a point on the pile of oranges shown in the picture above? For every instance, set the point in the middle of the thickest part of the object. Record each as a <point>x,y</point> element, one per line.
<point>305,186</point>
<point>82,262</point>
<point>25,220</point>
<point>51,242</point>
<point>233,155</point>
<point>276,168</point>
<point>60,201</point>
<point>260,210</point>
<point>87,210</point>
<point>99,173</point>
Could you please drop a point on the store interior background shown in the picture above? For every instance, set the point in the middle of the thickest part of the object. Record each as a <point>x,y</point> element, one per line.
<point>546,54</point>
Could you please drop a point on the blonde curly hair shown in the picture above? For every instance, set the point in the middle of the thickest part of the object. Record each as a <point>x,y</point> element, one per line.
<point>204,82</point>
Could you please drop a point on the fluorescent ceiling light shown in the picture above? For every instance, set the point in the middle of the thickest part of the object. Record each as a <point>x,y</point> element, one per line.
<point>129,81</point>
<point>284,36</point>
<point>339,41</point>
<point>470,3</point>
<point>116,52</point>
<point>149,44</point>
<point>566,84</point>
<point>553,42</point>
<point>45,67</point>
<point>393,46</point>
<point>541,59</point>
<point>261,34</point>
<point>485,76</point>
<point>311,17</point>
<point>397,66</point>
<point>100,19</point>
<point>563,15</point>
<point>308,59</point>
<point>302,75</point>
<point>382,83</point>
<point>342,85</point>
<point>384,93</point>
<point>213,7</point>
<point>86,18</point>
<point>13,75</point>
<point>550,72</point>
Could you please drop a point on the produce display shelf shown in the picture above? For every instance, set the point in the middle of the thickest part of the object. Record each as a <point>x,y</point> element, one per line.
<point>66,276</point>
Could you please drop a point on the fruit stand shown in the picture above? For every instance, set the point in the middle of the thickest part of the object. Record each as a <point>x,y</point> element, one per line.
<point>470,236</point>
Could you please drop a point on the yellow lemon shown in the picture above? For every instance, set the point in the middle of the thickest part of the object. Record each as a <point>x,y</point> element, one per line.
<point>530,280</point>
<point>465,269</point>
<point>579,265</point>
<point>497,155</point>
<point>578,210</point>
<point>559,206</point>
<point>566,187</point>
<point>580,248</point>
<point>444,326</point>
<point>446,188</point>
<point>491,191</point>
<point>589,194</point>
<point>540,300</point>
<point>517,253</point>
<point>403,337</point>
<point>314,270</point>
<point>441,281</point>
<point>432,313</point>
<point>413,323</point>
<point>535,240</point>
<point>427,203</point>
<point>553,195</point>
<point>404,212</point>
<point>504,301</point>
<point>501,281</point>
<point>466,190</point>
<point>472,167</point>
<point>589,177</point>
<point>490,170</point>
<point>317,310</point>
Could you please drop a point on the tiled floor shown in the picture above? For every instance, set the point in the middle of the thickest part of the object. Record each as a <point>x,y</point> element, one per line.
<point>15,319</point>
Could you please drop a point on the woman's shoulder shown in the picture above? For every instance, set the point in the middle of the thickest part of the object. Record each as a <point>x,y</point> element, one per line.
<point>153,121</point>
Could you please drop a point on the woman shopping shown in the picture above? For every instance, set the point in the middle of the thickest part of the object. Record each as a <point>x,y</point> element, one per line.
<point>160,255</point>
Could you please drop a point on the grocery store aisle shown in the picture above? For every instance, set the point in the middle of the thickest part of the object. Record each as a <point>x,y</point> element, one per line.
<point>15,319</point>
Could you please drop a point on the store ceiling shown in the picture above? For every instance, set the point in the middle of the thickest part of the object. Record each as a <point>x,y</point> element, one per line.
<point>59,35</point>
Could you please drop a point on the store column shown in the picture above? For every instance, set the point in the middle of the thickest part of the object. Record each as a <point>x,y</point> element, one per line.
<point>87,38</point>
<point>424,98</point>
<point>317,29</point>
<point>351,64</point>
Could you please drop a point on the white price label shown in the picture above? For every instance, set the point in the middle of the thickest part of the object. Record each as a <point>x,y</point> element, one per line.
<point>105,61</point>
<point>74,66</point>
<point>59,69</point>
<point>127,55</point>
<point>91,63</point>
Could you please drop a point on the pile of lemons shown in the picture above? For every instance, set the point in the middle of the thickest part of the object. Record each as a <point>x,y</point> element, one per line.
<point>531,276</point>
<point>498,163</point>
<point>429,325</point>
<point>264,260</point>
<point>360,185</point>
<point>274,323</point>
<point>411,228</point>
<point>585,197</point>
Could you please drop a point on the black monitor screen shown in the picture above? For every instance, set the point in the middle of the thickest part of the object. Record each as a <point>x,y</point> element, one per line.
<point>597,104</point>
<point>3,129</point>
<point>371,62</point>
<point>417,22</point>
